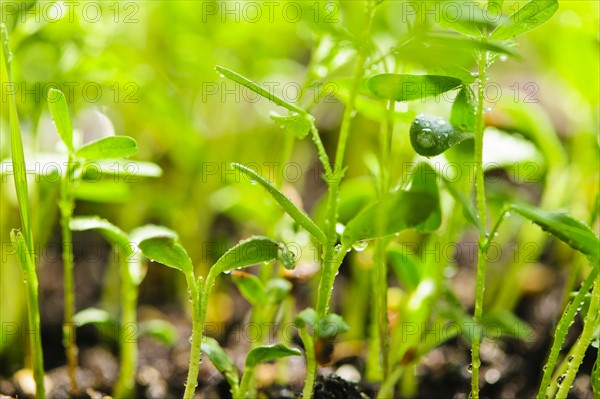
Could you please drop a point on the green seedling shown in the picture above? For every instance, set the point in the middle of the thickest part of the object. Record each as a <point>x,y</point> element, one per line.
<point>162,245</point>
<point>430,140</point>
<point>23,240</point>
<point>260,354</point>
<point>406,209</point>
<point>131,276</point>
<point>102,149</point>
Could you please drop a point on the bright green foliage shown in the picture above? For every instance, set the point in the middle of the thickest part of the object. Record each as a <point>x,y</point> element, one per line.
<point>108,147</point>
<point>528,17</point>
<point>60,113</point>
<point>563,226</point>
<point>295,124</point>
<point>221,361</point>
<point>266,353</point>
<point>399,87</point>
<point>252,251</point>
<point>431,135</point>
<point>300,217</point>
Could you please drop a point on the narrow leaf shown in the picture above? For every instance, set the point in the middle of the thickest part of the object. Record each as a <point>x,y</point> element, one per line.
<point>60,114</point>
<point>526,18</point>
<point>22,252</point>
<point>168,251</point>
<point>469,210</point>
<point>221,360</point>
<point>16,143</point>
<point>250,287</point>
<point>463,111</point>
<point>111,232</point>
<point>160,330</point>
<point>108,147</point>
<point>295,124</point>
<point>257,89</point>
<point>288,206</point>
<point>401,87</point>
<point>269,352</point>
<point>498,323</point>
<point>564,227</point>
<point>425,181</point>
<point>252,251</point>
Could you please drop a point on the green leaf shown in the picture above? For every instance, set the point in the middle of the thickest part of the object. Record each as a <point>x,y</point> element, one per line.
<point>526,18</point>
<point>168,251</point>
<point>92,316</point>
<point>277,289</point>
<point>250,287</point>
<point>431,135</point>
<point>308,317</point>
<point>469,209</point>
<point>127,169</point>
<point>16,144</point>
<point>564,227</point>
<point>330,326</point>
<point>257,89</point>
<point>463,111</point>
<point>497,323</point>
<point>465,18</point>
<point>401,87</point>
<point>296,124</point>
<point>406,268</point>
<point>108,147</point>
<point>425,181</point>
<point>221,360</point>
<point>111,232</point>
<point>60,114</point>
<point>22,252</point>
<point>160,330</point>
<point>269,352</point>
<point>419,207</point>
<point>252,251</point>
<point>288,206</point>
<point>469,43</point>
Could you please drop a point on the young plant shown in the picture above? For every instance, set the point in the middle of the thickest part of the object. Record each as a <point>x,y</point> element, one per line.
<point>131,275</point>
<point>260,354</point>
<point>23,240</point>
<point>102,149</point>
<point>162,245</point>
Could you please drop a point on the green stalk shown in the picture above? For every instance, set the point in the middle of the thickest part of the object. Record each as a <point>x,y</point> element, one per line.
<point>66,205</point>
<point>335,178</point>
<point>27,261</point>
<point>481,213</point>
<point>311,364</point>
<point>127,345</point>
<point>199,303</point>
<point>561,332</point>
<point>589,325</point>
<point>246,378</point>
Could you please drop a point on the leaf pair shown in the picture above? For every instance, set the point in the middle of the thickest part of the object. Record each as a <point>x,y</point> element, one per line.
<point>259,294</point>
<point>104,148</point>
<point>258,355</point>
<point>327,326</point>
<point>474,21</point>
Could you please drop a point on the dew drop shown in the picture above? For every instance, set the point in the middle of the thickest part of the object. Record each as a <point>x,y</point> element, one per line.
<point>487,109</point>
<point>417,122</point>
<point>426,139</point>
<point>503,58</point>
<point>570,358</point>
<point>440,122</point>
<point>475,74</point>
<point>470,368</point>
<point>560,379</point>
<point>360,246</point>
<point>496,234</point>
